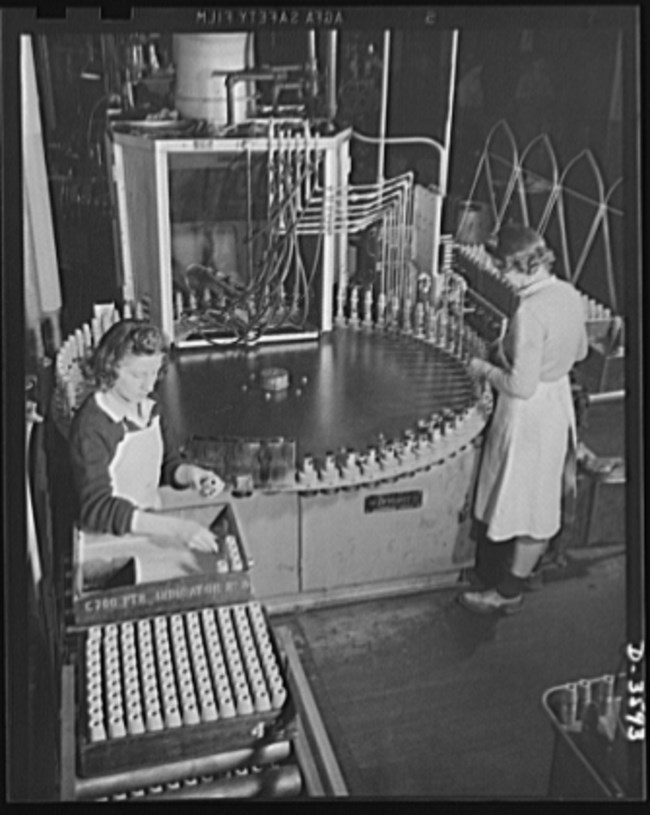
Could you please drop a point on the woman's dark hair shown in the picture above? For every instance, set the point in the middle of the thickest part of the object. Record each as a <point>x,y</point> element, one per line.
<point>122,339</point>
<point>520,248</point>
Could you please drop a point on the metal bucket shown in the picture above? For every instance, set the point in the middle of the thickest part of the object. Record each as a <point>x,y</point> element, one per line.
<point>199,94</point>
<point>475,222</point>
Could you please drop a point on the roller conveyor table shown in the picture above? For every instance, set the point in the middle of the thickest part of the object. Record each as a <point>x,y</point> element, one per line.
<point>296,761</point>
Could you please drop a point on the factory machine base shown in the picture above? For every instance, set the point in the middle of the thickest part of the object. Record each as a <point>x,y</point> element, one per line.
<point>385,431</point>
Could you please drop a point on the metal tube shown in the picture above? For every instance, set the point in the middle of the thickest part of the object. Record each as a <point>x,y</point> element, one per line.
<point>400,140</point>
<point>608,396</point>
<point>241,76</point>
<point>384,107</point>
<point>143,777</point>
<point>444,170</point>
<point>311,47</point>
<point>276,782</point>
<point>249,212</point>
<point>385,278</point>
<point>331,73</point>
<point>312,63</point>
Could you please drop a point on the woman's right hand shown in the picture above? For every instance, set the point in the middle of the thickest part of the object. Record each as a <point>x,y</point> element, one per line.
<point>194,535</point>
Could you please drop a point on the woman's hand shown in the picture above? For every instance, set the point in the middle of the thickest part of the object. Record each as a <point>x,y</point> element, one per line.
<point>207,483</point>
<point>497,356</point>
<point>477,367</point>
<point>193,535</point>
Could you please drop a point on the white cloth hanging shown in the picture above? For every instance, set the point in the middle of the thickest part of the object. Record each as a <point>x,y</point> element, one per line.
<point>41,271</point>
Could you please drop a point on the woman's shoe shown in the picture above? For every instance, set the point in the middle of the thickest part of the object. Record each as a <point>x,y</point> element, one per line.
<point>490,602</point>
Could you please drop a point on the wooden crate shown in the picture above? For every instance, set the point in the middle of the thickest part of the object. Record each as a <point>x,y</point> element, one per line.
<point>130,576</point>
<point>242,730</point>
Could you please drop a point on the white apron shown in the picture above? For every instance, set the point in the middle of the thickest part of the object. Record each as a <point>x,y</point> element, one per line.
<point>520,483</point>
<point>135,468</point>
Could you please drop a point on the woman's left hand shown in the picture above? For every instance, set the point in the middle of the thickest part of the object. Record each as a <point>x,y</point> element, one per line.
<point>476,367</point>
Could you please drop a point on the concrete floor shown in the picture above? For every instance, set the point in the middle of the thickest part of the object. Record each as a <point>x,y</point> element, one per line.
<point>422,698</point>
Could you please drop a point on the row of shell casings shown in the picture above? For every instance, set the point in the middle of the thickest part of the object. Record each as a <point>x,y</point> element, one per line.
<point>78,348</point>
<point>242,782</point>
<point>477,266</point>
<point>593,310</point>
<point>170,786</point>
<point>575,697</point>
<point>438,326</point>
<point>449,332</point>
<point>476,262</point>
<point>233,559</point>
<point>350,464</point>
<point>149,675</point>
<point>193,302</point>
<point>80,345</point>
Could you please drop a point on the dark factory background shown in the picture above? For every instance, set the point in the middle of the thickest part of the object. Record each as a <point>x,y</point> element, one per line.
<point>565,81</point>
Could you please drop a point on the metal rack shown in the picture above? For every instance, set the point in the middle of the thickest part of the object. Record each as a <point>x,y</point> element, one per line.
<point>531,187</point>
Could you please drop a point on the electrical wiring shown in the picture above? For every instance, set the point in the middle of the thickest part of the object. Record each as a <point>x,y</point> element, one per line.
<point>278,291</point>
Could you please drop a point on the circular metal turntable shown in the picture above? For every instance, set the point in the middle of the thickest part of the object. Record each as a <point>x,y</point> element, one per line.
<point>346,391</point>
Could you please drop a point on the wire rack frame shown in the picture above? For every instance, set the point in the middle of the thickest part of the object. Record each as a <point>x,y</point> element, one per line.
<point>523,180</point>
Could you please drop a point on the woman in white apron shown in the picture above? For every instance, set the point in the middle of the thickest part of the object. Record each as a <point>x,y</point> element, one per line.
<point>122,449</point>
<point>532,432</point>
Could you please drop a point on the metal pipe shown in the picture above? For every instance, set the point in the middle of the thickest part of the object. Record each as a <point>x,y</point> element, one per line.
<point>331,73</point>
<point>384,107</point>
<point>444,170</point>
<point>233,79</point>
<point>276,782</point>
<point>604,398</point>
<point>278,75</point>
<point>143,777</point>
<point>311,47</point>
<point>444,158</point>
<point>312,63</point>
<point>400,140</point>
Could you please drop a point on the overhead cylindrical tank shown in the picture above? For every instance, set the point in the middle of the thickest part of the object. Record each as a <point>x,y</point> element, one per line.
<point>199,93</point>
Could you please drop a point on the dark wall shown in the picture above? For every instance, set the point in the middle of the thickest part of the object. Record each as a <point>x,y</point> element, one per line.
<point>558,81</point>
<point>570,100</point>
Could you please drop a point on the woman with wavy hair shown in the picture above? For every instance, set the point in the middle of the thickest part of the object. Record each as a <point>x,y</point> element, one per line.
<point>123,448</point>
<point>533,428</point>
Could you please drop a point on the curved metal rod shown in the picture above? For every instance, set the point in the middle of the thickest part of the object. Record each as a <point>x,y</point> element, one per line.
<point>499,212</point>
<point>502,124</point>
<point>611,191</point>
<point>608,247</point>
<point>585,155</point>
<point>556,200</point>
<point>399,140</point>
<point>609,266</point>
<point>484,165</point>
<point>543,140</point>
<point>564,242</point>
